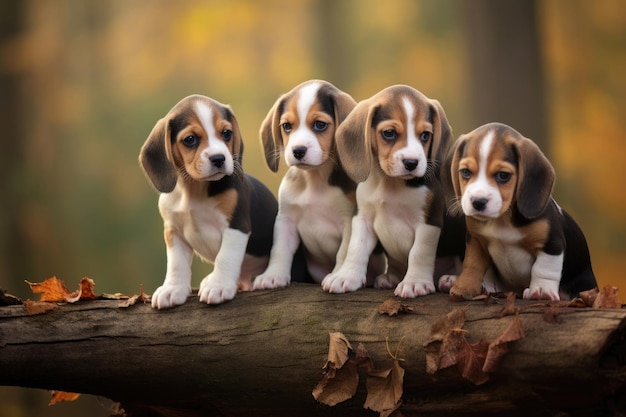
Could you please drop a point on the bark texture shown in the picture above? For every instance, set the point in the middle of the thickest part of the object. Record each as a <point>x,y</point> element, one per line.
<point>263,353</point>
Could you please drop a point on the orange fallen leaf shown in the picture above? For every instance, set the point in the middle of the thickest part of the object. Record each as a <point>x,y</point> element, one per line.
<point>52,289</point>
<point>509,308</point>
<point>62,396</point>
<point>86,289</point>
<point>608,297</point>
<point>130,301</point>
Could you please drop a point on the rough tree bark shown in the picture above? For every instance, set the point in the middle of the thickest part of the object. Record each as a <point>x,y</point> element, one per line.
<point>263,353</point>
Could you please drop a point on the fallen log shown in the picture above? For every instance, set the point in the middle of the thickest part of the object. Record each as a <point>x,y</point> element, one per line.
<point>263,353</point>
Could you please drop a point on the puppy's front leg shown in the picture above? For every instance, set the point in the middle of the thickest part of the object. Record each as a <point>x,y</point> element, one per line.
<point>221,284</point>
<point>177,285</point>
<point>286,241</point>
<point>475,265</point>
<point>545,277</point>
<point>419,275</point>
<point>352,274</point>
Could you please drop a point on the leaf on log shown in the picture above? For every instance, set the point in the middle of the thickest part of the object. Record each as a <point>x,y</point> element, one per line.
<point>38,307</point>
<point>392,307</point>
<point>449,346</point>
<point>385,387</point>
<point>62,396</point>
<point>341,377</point>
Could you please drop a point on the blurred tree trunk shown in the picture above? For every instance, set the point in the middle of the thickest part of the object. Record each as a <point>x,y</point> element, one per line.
<point>505,66</point>
<point>331,43</point>
<point>13,241</point>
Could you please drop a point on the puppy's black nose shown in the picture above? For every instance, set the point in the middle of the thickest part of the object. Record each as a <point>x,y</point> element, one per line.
<point>217,160</point>
<point>480,203</point>
<point>410,164</point>
<point>299,152</point>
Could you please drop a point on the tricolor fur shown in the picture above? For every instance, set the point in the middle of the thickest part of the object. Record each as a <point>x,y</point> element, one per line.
<point>316,197</point>
<point>393,145</point>
<point>519,239</point>
<point>208,205</point>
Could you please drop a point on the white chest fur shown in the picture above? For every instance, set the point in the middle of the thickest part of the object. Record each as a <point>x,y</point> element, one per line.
<point>320,213</point>
<point>195,219</point>
<point>396,211</point>
<point>513,262</point>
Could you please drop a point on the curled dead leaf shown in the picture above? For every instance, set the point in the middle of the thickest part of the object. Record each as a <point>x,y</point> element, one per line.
<point>442,346</point>
<point>392,307</point>
<point>337,385</point>
<point>499,347</point>
<point>385,386</point>
<point>608,297</point>
<point>62,396</point>
<point>509,308</point>
<point>338,349</point>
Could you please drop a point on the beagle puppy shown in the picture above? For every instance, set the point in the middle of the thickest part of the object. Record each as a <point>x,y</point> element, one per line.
<point>393,145</point>
<point>208,205</point>
<point>316,198</point>
<point>519,239</point>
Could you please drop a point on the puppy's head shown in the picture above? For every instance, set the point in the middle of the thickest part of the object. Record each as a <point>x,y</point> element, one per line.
<point>495,168</point>
<point>399,129</point>
<point>302,124</point>
<point>198,139</point>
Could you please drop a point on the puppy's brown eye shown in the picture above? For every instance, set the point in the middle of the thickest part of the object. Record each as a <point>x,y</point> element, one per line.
<point>425,136</point>
<point>465,173</point>
<point>389,134</point>
<point>227,135</point>
<point>190,141</point>
<point>320,126</point>
<point>502,177</point>
<point>287,127</point>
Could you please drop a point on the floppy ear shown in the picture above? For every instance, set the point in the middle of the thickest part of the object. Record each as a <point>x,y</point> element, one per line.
<point>237,139</point>
<point>271,136</point>
<point>354,141</point>
<point>155,158</point>
<point>344,103</point>
<point>453,162</point>
<point>442,140</point>
<point>535,179</point>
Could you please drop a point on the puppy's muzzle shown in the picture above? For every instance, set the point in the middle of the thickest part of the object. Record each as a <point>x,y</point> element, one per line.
<point>410,164</point>
<point>217,160</point>
<point>299,152</point>
<point>479,204</point>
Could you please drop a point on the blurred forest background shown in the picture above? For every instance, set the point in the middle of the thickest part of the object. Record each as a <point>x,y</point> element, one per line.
<point>83,82</point>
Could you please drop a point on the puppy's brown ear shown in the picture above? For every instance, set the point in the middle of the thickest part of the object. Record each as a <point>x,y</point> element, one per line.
<point>271,136</point>
<point>453,161</point>
<point>442,136</point>
<point>154,158</point>
<point>344,103</point>
<point>354,141</point>
<point>535,180</point>
<point>237,140</point>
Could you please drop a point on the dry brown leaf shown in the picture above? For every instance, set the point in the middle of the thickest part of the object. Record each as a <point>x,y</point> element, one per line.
<point>38,307</point>
<point>608,297</point>
<point>589,296</point>
<point>499,347</point>
<point>441,348</point>
<point>338,349</point>
<point>392,307</point>
<point>337,385</point>
<point>384,386</point>
<point>61,396</point>
<point>86,289</point>
<point>470,360</point>
<point>509,308</point>
<point>52,289</point>
<point>130,301</point>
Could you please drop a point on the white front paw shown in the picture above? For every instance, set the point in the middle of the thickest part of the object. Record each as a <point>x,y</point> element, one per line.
<point>167,296</point>
<point>267,281</point>
<point>446,282</point>
<point>339,283</point>
<point>541,293</point>
<point>412,289</point>
<point>214,291</point>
